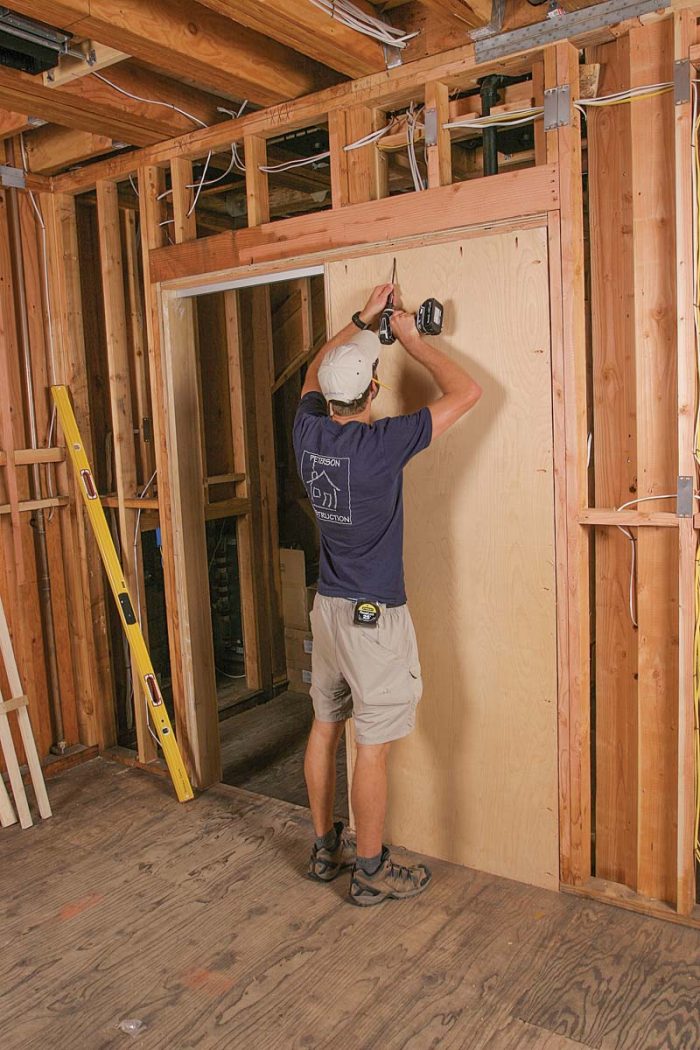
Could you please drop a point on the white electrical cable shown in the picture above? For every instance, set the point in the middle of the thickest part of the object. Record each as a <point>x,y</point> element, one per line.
<point>367,140</point>
<point>411,124</point>
<point>515,118</point>
<point>299,162</point>
<point>152,101</point>
<point>633,540</point>
<point>345,12</point>
<point>623,96</point>
<point>197,192</point>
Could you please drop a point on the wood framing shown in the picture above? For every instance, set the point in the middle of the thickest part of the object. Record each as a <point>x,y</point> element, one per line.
<point>623,395</point>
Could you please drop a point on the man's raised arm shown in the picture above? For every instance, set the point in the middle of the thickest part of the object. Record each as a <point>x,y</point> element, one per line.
<point>368,315</point>
<point>459,391</point>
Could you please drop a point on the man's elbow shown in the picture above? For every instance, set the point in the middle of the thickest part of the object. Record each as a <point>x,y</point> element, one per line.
<point>472,394</point>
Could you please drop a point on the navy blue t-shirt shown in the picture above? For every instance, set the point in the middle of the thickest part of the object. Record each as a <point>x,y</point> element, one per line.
<point>353,476</point>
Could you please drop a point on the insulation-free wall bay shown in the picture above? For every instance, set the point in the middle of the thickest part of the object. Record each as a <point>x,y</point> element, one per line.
<point>477,782</point>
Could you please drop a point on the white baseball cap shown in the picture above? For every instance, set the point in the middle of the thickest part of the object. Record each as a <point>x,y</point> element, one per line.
<point>347,370</point>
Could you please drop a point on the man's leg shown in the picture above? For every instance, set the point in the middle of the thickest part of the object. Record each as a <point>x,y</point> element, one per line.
<point>369,797</point>
<point>319,770</point>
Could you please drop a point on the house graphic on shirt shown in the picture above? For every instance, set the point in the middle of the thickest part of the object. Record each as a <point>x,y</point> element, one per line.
<point>327,481</point>
<point>324,491</point>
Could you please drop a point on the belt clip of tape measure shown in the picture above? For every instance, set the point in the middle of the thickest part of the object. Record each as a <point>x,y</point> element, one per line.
<point>366,613</point>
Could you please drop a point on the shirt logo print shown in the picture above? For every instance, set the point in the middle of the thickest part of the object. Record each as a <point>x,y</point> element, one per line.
<point>327,481</point>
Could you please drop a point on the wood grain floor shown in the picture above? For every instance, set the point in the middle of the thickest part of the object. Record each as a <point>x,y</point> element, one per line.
<point>195,919</point>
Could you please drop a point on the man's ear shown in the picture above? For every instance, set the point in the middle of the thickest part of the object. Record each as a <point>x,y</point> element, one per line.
<point>375,388</point>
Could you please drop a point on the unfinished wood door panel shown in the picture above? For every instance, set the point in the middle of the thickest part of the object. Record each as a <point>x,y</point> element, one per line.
<point>477,782</point>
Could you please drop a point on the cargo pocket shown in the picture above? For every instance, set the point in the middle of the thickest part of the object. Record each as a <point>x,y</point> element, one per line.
<point>416,682</point>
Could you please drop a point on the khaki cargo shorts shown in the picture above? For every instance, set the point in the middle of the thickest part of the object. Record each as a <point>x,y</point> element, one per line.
<point>371,674</point>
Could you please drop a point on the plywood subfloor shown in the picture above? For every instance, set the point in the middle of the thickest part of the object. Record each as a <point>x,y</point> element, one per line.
<point>196,920</point>
<point>262,750</point>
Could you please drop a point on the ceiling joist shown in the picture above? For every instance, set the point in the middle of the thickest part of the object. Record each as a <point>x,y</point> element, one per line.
<point>298,24</point>
<point>200,46</point>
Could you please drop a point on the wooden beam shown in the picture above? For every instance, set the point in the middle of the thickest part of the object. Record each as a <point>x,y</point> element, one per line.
<point>482,201</point>
<point>12,123</point>
<point>308,30</point>
<point>52,149</point>
<point>60,13</point>
<point>474,13</point>
<point>122,420</point>
<point>19,91</point>
<point>131,78</point>
<point>203,47</point>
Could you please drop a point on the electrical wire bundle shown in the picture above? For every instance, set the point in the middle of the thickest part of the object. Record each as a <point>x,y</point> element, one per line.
<point>349,15</point>
<point>619,97</point>
<point>411,126</point>
<point>500,120</point>
<point>298,162</point>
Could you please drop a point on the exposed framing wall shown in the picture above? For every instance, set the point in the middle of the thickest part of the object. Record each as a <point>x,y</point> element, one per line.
<point>362,221</point>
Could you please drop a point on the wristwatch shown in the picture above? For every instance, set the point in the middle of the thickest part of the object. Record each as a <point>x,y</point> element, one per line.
<point>357,320</point>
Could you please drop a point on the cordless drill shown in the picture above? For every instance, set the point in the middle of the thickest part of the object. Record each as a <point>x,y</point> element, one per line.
<point>429,317</point>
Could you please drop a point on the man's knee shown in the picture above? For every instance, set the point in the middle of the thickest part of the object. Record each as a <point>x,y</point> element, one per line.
<point>375,754</point>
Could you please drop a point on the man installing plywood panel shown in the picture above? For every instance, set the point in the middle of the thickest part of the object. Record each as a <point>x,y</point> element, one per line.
<point>476,783</point>
<point>365,658</point>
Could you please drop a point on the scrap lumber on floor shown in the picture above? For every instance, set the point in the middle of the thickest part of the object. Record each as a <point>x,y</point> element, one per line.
<point>196,920</point>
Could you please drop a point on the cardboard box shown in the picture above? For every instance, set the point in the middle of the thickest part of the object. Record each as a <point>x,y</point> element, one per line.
<point>298,647</point>
<point>295,611</point>
<point>299,681</point>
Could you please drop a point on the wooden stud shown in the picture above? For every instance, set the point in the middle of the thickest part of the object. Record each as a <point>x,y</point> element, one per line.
<point>571,487</point>
<point>248,536</point>
<point>652,160</point>
<point>198,724</point>
<point>256,181</point>
<point>185,221</point>
<point>685,34</point>
<point>263,377</point>
<point>113,286</point>
<point>439,155</point>
<point>83,571</point>
<point>615,461</point>
<point>139,353</point>
<point>151,187</point>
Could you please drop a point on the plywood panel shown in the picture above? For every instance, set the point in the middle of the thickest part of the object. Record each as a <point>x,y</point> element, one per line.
<point>477,782</point>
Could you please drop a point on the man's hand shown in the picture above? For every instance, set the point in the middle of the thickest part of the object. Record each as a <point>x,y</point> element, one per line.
<point>403,325</point>
<point>376,303</point>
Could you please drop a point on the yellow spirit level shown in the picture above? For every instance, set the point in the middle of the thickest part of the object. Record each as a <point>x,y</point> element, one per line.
<point>137,645</point>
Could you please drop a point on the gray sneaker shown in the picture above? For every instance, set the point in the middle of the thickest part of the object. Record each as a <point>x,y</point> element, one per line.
<point>325,865</point>
<point>390,882</point>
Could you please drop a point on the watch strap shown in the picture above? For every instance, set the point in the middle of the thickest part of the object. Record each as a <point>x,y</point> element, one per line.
<point>357,320</point>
